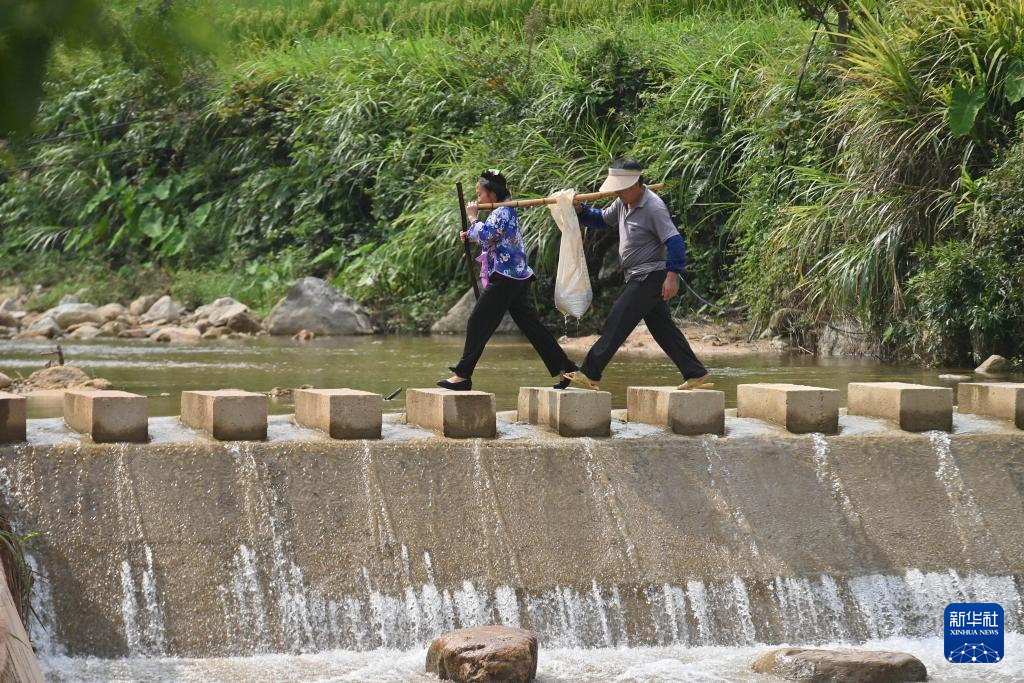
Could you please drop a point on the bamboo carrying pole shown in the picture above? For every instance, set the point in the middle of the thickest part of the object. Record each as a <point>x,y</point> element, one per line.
<point>551,200</point>
<point>465,245</point>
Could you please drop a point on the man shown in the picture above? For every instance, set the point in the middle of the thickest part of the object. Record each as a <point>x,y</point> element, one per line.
<point>653,255</point>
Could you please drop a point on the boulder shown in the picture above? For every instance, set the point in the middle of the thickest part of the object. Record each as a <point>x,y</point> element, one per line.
<point>5,381</point>
<point>9,305</point>
<point>8,319</point>
<point>113,328</point>
<point>303,336</point>
<point>484,654</point>
<point>994,365</point>
<point>44,327</point>
<point>7,332</point>
<point>841,666</point>
<point>67,315</point>
<point>68,299</point>
<point>164,309</point>
<point>214,333</point>
<point>59,377</point>
<point>177,335</point>
<point>142,305</point>
<point>111,312</point>
<point>454,321</point>
<point>314,305</point>
<point>220,310</point>
<point>86,331</point>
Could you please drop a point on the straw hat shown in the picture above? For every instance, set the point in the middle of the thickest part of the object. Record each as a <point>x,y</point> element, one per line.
<point>620,179</point>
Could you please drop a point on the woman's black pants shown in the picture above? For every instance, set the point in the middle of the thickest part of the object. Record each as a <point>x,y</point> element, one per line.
<point>506,294</point>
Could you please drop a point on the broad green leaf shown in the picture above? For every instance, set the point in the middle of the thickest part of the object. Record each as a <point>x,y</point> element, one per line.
<point>964,106</point>
<point>151,222</point>
<point>1014,86</point>
<point>200,215</point>
<point>163,190</point>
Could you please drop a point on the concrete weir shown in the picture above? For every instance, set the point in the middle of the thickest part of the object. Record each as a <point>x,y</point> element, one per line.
<point>194,547</point>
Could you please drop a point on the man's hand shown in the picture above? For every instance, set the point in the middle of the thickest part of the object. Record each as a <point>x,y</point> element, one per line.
<point>671,286</point>
<point>577,204</point>
<point>472,211</point>
<point>463,235</point>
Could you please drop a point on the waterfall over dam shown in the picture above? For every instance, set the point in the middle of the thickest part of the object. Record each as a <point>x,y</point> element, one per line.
<point>190,547</point>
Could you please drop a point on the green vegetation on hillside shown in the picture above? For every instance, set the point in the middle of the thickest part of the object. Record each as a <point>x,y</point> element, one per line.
<point>886,192</point>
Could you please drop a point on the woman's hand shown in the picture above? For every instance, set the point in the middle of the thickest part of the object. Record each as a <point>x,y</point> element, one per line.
<point>463,236</point>
<point>472,211</point>
<point>577,204</point>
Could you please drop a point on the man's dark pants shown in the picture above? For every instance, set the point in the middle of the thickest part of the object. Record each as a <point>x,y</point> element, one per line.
<point>642,300</point>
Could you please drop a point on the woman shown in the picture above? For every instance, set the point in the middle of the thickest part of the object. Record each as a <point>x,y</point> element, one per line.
<point>506,277</point>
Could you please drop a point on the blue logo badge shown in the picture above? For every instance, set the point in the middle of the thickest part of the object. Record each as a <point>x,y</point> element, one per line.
<point>974,632</point>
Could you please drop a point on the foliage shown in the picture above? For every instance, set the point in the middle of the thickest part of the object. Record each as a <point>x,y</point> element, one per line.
<point>968,298</point>
<point>332,144</point>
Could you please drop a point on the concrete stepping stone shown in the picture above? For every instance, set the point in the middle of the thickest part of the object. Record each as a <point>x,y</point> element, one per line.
<point>483,654</point>
<point>1004,400</point>
<point>800,409</point>
<point>12,417</point>
<point>860,666</point>
<point>108,416</point>
<point>915,407</point>
<point>454,414</point>
<point>340,413</point>
<point>226,414</point>
<point>570,412</point>
<point>690,412</point>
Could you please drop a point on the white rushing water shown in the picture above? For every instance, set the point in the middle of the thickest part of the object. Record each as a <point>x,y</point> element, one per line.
<point>557,665</point>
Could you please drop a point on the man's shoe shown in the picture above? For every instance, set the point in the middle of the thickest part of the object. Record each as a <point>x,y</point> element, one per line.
<point>696,383</point>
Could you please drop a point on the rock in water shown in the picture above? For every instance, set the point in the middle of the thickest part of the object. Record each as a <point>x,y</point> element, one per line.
<point>5,381</point>
<point>67,315</point>
<point>164,309</point>
<point>142,304</point>
<point>454,321</point>
<point>841,666</point>
<point>993,365</point>
<point>312,304</point>
<point>484,654</point>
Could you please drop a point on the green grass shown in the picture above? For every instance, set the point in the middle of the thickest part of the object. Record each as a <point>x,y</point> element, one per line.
<point>330,139</point>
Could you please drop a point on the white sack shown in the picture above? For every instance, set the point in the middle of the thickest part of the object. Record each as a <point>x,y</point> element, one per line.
<point>572,283</point>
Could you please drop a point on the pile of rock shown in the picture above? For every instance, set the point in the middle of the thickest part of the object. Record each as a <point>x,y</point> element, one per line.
<point>311,306</point>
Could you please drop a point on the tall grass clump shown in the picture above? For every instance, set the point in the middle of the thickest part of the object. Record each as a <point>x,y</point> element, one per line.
<point>927,94</point>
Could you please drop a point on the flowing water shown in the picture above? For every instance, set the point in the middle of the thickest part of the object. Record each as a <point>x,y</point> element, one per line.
<point>289,602</point>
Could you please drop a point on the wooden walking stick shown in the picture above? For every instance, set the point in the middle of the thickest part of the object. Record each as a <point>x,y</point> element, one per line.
<point>465,245</point>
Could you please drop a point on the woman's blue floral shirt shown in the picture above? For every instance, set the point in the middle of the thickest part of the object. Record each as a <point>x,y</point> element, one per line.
<point>502,245</point>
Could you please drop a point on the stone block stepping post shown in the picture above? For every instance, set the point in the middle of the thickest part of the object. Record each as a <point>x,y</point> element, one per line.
<point>341,413</point>
<point>108,416</point>
<point>570,412</point>
<point>800,409</point>
<point>12,417</point>
<point>854,666</point>
<point>1004,400</point>
<point>690,412</point>
<point>915,407</point>
<point>455,414</point>
<point>484,654</point>
<point>226,414</point>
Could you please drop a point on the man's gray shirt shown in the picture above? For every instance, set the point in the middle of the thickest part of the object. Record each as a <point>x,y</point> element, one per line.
<point>643,231</point>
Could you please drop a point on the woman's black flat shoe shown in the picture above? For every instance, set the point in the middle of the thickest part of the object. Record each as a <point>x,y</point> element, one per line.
<point>464,385</point>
